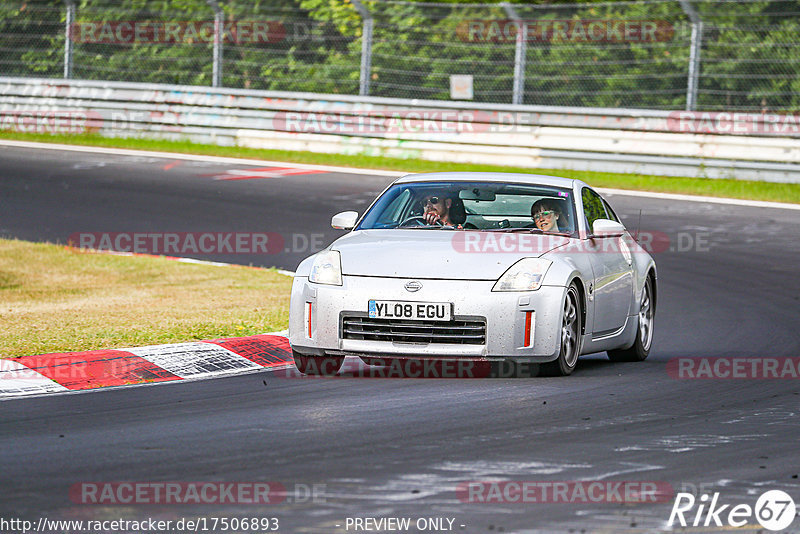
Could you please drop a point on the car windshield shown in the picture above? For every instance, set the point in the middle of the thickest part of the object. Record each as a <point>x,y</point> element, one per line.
<point>487,206</point>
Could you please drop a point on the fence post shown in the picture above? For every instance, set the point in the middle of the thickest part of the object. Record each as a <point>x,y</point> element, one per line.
<point>219,21</point>
<point>366,48</point>
<point>519,54</point>
<point>694,54</point>
<point>68,38</point>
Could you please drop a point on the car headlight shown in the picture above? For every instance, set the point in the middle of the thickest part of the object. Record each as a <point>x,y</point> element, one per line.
<point>327,268</point>
<point>525,275</point>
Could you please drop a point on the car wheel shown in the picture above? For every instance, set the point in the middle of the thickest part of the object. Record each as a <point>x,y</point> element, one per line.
<point>570,337</point>
<point>644,331</point>
<point>317,365</point>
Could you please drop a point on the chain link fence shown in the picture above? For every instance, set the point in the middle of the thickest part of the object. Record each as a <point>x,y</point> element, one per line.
<point>662,54</point>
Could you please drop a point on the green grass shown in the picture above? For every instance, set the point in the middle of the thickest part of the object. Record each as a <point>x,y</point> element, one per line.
<point>776,192</point>
<point>58,299</point>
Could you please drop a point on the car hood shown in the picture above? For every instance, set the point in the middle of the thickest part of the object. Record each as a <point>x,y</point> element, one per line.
<point>453,254</point>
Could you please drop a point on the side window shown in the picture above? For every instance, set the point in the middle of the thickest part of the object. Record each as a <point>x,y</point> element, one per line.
<point>392,212</point>
<point>593,207</point>
<point>610,212</point>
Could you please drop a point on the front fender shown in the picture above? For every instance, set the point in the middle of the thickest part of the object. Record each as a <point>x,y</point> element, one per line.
<point>304,269</point>
<point>568,269</point>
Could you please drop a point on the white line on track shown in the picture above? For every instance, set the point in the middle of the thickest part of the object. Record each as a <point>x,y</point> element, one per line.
<point>197,157</point>
<point>371,172</point>
<point>697,198</point>
<point>182,260</point>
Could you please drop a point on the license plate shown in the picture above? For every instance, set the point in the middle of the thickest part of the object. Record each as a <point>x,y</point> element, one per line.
<point>414,311</point>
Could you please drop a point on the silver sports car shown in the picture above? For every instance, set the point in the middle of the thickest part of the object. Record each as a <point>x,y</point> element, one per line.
<point>478,266</point>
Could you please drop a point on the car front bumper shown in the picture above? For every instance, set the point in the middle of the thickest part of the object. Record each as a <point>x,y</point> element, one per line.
<point>315,320</point>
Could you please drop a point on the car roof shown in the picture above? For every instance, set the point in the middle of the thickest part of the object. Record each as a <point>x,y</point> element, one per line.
<point>537,179</point>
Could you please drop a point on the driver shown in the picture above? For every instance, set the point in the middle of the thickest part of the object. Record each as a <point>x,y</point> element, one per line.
<point>546,215</point>
<point>436,210</point>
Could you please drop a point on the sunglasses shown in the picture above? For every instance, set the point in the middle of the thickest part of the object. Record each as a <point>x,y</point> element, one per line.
<point>543,214</point>
<point>432,200</point>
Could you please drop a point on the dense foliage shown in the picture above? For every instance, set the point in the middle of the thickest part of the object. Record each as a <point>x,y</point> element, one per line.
<point>749,56</point>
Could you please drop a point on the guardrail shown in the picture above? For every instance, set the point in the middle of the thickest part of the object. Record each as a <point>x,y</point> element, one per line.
<point>715,145</point>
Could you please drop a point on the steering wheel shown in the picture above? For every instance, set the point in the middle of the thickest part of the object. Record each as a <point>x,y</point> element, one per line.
<point>418,220</point>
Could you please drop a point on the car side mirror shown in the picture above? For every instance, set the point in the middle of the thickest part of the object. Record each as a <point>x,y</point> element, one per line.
<point>607,228</point>
<point>345,220</point>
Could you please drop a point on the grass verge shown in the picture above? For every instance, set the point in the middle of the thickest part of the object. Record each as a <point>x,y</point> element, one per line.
<point>776,192</point>
<point>56,299</point>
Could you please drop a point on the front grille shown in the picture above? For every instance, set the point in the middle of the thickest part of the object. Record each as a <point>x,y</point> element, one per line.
<point>460,332</point>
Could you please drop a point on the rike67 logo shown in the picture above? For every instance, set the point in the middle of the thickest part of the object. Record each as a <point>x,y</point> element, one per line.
<point>774,510</point>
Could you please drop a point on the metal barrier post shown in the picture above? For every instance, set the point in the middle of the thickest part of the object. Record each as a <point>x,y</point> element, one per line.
<point>70,19</point>
<point>366,48</point>
<point>694,54</point>
<point>519,54</point>
<point>219,21</point>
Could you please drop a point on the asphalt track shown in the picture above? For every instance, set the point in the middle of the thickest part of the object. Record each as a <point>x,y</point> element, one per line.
<point>399,448</point>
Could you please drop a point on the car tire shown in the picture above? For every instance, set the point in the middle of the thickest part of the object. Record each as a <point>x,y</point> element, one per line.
<point>317,365</point>
<point>644,330</point>
<point>570,337</point>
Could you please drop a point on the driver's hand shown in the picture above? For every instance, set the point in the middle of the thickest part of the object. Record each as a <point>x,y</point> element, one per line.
<point>432,218</point>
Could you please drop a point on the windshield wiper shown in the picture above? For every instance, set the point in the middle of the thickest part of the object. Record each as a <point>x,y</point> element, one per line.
<point>531,230</point>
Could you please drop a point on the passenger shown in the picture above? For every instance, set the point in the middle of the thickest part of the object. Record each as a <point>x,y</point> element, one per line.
<point>546,214</point>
